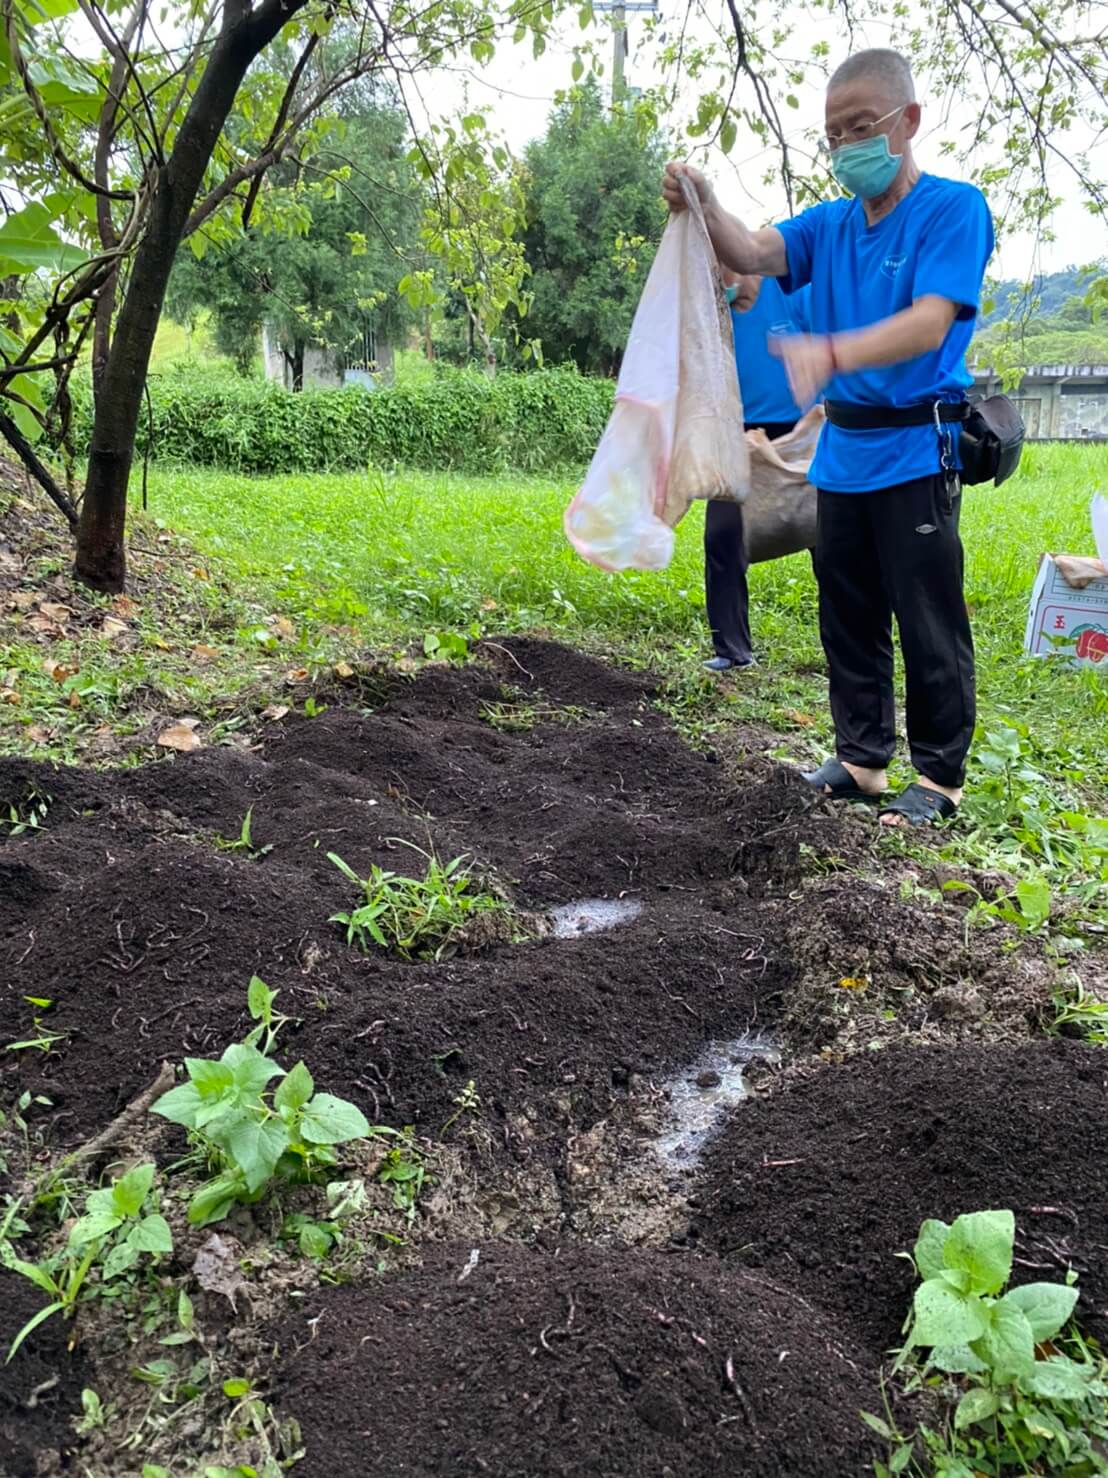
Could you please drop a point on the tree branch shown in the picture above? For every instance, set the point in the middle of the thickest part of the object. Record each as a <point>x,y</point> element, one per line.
<point>279,123</point>
<point>57,148</point>
<point>119,49</point>
<point>255,168</point>
<point>28,456</point>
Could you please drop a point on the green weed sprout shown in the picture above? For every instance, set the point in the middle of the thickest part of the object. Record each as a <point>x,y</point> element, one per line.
<point>415,918</point>
<point>115,1232</point>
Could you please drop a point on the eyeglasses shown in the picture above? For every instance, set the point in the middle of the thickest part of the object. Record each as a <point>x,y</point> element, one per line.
<point>856,135</point>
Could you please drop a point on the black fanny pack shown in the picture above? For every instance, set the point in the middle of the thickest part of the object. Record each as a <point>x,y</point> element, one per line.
<point>990,435</point>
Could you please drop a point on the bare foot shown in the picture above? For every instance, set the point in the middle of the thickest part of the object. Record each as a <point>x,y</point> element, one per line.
<point>871,782</point>
<point>952,793</point>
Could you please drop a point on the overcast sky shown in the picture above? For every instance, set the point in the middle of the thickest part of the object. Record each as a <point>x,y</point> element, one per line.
<point>519,91</point>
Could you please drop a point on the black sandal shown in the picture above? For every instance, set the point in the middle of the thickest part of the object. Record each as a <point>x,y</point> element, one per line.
<point>920,806</point>
<point>835,783</point>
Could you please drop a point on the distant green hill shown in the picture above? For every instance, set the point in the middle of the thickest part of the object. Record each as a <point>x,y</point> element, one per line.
<point>1052,289</point>
<point>1048,324</point>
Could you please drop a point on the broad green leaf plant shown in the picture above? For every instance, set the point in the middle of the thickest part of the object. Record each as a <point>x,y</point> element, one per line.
<point>251,1133</point>
<point>1026,1398</point>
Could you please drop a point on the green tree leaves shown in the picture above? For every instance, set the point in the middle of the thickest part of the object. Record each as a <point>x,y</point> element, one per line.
<point>592,188</point>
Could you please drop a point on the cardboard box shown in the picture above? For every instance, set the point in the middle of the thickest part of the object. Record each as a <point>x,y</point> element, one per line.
<point>1069,610</point>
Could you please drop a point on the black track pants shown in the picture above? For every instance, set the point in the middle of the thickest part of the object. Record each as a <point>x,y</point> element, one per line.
<point>725,589</point>
<point>897,552</point>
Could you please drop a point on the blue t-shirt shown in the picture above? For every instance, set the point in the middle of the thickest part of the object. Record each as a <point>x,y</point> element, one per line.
<point>763,383</point>
<point>937,241</point>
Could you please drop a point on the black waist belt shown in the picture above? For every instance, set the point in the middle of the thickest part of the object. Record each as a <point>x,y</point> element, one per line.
<point>852,417</point>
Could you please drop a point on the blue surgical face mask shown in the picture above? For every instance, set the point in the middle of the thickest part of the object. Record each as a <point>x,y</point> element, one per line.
<point>732,292</point>
<point>866,169</point>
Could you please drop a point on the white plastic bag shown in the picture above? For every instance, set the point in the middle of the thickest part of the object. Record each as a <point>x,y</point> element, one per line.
<point>676,432</point>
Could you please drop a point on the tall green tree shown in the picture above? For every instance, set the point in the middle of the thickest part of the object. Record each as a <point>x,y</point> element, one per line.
<point>593,221</point>
<point>323,270</point>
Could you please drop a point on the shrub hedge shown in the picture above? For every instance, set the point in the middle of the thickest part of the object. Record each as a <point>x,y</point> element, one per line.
<point>457,419</point>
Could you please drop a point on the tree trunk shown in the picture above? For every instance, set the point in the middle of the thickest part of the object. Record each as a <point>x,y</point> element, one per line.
<point>297,367</point>
<point>100,558</point>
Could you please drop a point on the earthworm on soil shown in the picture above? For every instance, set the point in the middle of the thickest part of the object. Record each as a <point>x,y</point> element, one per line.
<point>511,657</point>
<point>41,1389</point>
<point>733,1382</point>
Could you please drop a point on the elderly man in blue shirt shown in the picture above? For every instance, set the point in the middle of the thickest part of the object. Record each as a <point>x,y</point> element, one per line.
<point>895,273</point>
<point>760,314</point>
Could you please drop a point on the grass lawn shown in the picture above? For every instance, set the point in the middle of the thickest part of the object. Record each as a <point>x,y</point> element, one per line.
<point>384,560</point>
<point>402,555</point>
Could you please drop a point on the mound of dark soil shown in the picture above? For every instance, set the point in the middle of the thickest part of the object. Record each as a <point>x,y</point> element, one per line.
<point>942,981</point>
<point>602,1362</point>
<point>825,1181</point>
<point>123,912</point>
<point>40,1389</point>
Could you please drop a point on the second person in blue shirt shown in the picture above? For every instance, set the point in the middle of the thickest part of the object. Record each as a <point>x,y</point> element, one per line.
<point>760,311</point>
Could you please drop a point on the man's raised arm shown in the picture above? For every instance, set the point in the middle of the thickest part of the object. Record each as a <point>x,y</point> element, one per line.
<point>744,251</point>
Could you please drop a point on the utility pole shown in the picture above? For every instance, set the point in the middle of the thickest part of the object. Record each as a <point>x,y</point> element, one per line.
<point>619,52</point>
<point>618,10</point>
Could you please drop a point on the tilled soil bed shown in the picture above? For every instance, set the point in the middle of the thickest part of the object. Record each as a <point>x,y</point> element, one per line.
<point>742,1335</point>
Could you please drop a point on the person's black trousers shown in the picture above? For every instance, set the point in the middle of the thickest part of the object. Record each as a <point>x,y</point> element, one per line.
<point>725,587</point>
<point>897,552</point>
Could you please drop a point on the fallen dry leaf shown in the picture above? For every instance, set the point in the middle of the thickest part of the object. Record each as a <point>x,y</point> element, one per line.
<point>56,611</point>
<point>275,711</point>
<point>38,735</point>
<point>488,604</point>
<point>58,670</point>
<point>284,628</point>
<point>124,606</point>
<point>200,572</point>
<point>344,671</point>
<point>216,1266</point>
<point>182,737</point>
<point>296,675</point>
<point>9,695</point>
<point>74,699</point>
<point>854,982</point>
<point>796,717</point>
<point>23,600</point>
<point>39,622</point>
<point>112,627</point>
<point>204,653</point>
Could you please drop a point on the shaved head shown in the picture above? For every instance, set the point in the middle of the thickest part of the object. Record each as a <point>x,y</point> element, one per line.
<point>881,67</point>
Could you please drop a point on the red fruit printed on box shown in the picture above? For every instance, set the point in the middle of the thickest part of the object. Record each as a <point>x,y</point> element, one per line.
<point>1091,643</point>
